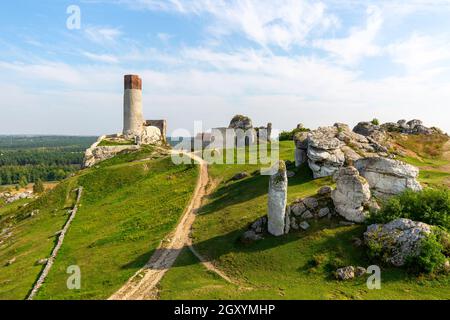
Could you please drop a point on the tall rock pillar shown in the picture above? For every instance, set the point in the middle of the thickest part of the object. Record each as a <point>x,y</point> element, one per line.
<point>133,120</point>
<point>278,185</point>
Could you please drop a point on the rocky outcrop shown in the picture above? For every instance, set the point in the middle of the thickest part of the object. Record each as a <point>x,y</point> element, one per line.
<point>388,177</point>
<point>352,195</point>
<point>378,132</point>
<point>12,197</point>
<point>397,240</point>
<point>329,148</point>
<point>278,184</point>
<point>301,148</point>
<point>241,122</point>
<point>96,153</point>
<point>150,135</point>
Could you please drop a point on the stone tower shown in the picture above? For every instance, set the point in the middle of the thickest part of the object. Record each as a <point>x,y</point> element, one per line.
<point>133,120</point>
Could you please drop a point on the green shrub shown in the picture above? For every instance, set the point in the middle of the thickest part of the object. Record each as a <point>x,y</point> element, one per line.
<point>376,122</point>
<point>431,206</point>
<point>431,257</point>
<point>289,135</point>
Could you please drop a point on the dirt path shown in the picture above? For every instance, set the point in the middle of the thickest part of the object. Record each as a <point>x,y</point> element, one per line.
<point>142,286</point>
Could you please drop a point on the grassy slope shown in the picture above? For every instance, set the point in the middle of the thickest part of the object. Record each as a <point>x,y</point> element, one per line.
<point>127,208</point>
<point>279,268</point>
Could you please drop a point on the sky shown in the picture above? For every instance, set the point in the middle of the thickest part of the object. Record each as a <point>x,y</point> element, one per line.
<point>283,61</point>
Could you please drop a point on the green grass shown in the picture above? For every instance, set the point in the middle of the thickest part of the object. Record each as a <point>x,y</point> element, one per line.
<point>113,143</point>
<point>279,268</point>
<point>127,208</point>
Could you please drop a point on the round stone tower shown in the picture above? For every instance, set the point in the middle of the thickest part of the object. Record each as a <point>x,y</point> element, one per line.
<point>133,120</point>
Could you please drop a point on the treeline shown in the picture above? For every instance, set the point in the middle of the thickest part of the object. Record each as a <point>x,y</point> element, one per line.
<point>32,173</point>
<point>27,159</point>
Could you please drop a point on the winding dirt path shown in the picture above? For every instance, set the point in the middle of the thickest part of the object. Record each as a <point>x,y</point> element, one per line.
<point>142,286</point>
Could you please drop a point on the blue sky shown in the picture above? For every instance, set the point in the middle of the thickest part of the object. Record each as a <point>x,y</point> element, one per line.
<point>286,61</point>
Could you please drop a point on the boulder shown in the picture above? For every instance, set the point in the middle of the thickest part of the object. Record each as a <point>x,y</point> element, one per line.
<point>388,177</point>
<point>298,208</point>
<point>311,203</point>
<point>277,200</point>
<point>326,190</point>
<point>304,225</point>
<point>324,212</point>
<point>150,136</point>
<point>301,148</point>
<point>351,195</point>
<point>398,239</point>
<point>366,128</point>
<point>250,236</point>
<point>346,273</point>
<point>360,271</point>
<point>241,122</point>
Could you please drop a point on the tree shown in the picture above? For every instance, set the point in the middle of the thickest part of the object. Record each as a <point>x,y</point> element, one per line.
<point>38,186</point>
<point>23,181</point>
<point>376,122</point>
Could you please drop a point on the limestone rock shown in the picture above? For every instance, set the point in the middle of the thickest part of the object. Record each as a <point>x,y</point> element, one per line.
<point>241,122</point>
<point>326,190</point>
<point>398,239</point>
<point>298,208</point>
<point>346,273</point>
<point>351,195</point>
<point>311,203</point>
<point>277,202</point>
<point>250,236</point>
<point>304,225</point>
<point>388,177</point>
<point>301,148</point>
<point>150,136</point>
<point>324,212</point>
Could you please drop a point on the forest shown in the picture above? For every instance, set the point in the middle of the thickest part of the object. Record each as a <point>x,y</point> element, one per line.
<point>25,159</point>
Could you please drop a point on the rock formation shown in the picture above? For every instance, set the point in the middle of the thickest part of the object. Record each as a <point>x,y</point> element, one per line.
<point>378,132</point>
<point>278,184</point>
<point>352,195</point>
<point>388,177</point>
<point>328,148</point>
<point>96,154</point>
<point>301,148</point>
<point>397,240</point>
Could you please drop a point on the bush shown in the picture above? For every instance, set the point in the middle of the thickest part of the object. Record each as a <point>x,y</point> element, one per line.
<point>38,186</point>
<point>431,206</point>
<point>431,257</point>
<point>289,135</point>
<point>376,122</point>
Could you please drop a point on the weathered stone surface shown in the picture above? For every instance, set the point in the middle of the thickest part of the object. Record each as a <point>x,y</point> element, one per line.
<point>346,273</point>
<point>250,236</point>
<point>366,128</point>
<point>301,148</point>
<point>307,215</point>
<point>324,212</point>
<point>352,193</point>
<point>298,208</point>
<point>304,225</point>
<point>326,190</point>
<point>388,177</point>
<point>150,136</point>
<point>277,202</point>
<point>311,203</point>
<point>96,154</point>
<point>398,239</point>
<point>241,122</point>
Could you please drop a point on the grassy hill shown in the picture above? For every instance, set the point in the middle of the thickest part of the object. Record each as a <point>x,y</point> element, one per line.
<point>129,205</point>
<point>295,266</point>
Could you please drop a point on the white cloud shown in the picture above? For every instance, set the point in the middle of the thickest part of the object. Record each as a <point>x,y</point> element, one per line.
<point>102,35</point>
<point>100,57</point>
<point>359,44</point>
<point>422,53</point>
<point>282,23</point>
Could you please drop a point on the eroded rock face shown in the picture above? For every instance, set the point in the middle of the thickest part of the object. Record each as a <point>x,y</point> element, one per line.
<point>241,122</point>
<point>150,135</point>
<point>278,184</point>
<point>388,177</point>
<point>351,195</point>
<point>301,148</point>
<point>96,154</point>
<point>398,239</point>
<point>329,148</point>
